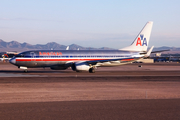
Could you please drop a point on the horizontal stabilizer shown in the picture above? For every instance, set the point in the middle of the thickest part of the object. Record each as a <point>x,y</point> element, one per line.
<point>160,51</point>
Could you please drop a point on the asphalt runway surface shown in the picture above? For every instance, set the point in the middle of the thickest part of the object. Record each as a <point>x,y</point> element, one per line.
<point>124,92</point>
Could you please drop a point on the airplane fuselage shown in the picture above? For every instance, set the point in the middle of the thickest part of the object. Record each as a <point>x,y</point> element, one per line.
<point>61,58</point>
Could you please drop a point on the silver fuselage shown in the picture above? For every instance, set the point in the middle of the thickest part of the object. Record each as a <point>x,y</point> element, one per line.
<point>48,58</point>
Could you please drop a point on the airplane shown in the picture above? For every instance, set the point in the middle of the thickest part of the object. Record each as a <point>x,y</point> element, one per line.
<point>86,60</point>
<point>67,48</point>
<point>6,56</point>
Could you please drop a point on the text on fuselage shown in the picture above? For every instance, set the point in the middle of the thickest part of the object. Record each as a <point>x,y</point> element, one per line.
<point>50,53</point>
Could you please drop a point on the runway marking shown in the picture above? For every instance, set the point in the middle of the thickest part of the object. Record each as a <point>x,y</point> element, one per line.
<point>17,75</point>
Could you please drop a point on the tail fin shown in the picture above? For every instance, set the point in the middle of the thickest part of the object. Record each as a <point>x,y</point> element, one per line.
<point>142,40</point>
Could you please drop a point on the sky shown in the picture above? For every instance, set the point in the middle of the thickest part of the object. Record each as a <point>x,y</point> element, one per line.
<point>89,23</point>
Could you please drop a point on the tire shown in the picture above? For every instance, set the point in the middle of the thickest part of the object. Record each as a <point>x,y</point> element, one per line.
<point>91,70</point>
<point>26,71</point>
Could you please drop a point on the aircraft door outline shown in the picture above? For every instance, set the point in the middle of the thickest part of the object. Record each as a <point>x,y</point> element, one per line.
<point>33,55</point>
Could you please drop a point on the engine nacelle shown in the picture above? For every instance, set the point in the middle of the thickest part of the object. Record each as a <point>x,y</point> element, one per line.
<point>80,66</point>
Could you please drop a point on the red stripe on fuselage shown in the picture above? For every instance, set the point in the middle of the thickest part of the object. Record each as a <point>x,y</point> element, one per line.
<point>57,59</point>
<point>23,60</point>
<point>66,59</point>
<point>127,59</point>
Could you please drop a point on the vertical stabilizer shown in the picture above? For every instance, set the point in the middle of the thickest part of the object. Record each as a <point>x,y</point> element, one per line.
<point>142,40</point>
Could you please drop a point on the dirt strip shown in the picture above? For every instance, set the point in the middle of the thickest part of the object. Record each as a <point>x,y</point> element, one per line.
<point>159,109</point>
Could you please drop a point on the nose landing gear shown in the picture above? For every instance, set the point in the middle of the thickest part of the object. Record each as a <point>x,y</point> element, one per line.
<point>25,70</point>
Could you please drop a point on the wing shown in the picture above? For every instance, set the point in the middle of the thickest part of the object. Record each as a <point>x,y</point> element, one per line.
<point>160,51</point>
<point>112,61</point>
<point>116,60</point>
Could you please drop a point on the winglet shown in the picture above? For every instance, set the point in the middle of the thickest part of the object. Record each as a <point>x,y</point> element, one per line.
<point>149,52</point>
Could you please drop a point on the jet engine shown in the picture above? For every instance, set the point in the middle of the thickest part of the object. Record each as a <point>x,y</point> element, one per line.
<point>80,66</point>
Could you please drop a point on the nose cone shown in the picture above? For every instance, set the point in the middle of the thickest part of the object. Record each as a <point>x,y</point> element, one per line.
<point>12,61</point>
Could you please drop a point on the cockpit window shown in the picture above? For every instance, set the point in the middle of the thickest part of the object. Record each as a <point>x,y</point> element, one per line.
<point>20,55</point>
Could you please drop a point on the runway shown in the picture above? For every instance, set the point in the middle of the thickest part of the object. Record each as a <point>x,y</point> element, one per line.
<point>124,92</point>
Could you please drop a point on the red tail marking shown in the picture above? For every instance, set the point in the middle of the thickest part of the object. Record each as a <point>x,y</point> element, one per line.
<point>138,42</point>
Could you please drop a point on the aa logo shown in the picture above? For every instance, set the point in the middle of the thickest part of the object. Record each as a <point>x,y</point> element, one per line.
<point>141,41</point>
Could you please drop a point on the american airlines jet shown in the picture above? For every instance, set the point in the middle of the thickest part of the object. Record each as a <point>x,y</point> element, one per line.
<point>86,60</point>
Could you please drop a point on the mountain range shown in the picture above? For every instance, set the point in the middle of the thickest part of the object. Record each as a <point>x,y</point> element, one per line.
<point>16,46</point>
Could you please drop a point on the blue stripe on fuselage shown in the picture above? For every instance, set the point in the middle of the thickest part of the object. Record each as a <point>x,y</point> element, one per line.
<point>77,54</point>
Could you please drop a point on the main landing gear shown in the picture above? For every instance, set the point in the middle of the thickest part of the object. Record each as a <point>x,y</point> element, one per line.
<point>92,70</point>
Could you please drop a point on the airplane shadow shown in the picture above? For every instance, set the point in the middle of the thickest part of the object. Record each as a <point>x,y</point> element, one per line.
<point>34,71</point>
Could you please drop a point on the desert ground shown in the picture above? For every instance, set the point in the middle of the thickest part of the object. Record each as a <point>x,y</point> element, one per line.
<point>123,92</point>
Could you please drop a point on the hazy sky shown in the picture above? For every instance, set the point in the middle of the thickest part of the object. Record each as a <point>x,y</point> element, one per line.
<point>89,23</point>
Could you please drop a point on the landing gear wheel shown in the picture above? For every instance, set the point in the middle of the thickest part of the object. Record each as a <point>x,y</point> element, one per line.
<point>92,70</point>
<point>26,71</point>
<point>140,66</point>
